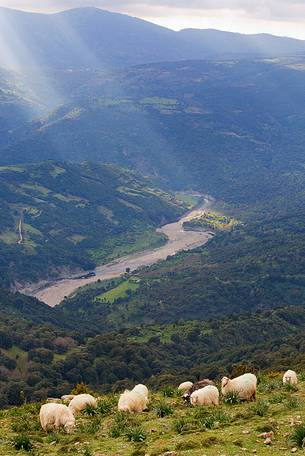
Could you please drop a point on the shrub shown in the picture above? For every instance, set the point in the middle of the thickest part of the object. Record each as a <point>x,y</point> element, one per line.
<point>298,436</point>
<point>81,388</point>
<point>22,442</point>
<point>231,398</point>
<point>136,434</point>
<point>260,408</point>
<point>90,410</point>
<point>163,409</point>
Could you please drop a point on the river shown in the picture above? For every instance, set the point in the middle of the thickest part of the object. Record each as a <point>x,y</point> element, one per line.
<point>178,239</point>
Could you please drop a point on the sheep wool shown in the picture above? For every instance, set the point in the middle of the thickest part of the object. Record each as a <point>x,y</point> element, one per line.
<point>185,387</point>
<point>132,401</point>
<point>53,416</point>
<point>81,401</point>
<point>290,377</point>
<point>209,395</point>
<point>244,385</point>
<point>142,389</point>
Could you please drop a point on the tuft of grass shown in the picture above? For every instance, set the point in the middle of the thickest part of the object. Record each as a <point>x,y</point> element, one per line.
<point>163,409</point>
<point>105,406</point>
<point>170,391</point>
<point>136,434</point>
<point>231,398</point>
<point>290,388</point>
<point>180,425</point>
<point>260,408</point>
<point>87,452</point>
<point>91,411</point>
<point>298,436</point>
<point>293,403</point>
<point>22,442</point>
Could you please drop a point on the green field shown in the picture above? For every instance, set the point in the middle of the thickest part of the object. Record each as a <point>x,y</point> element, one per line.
<point>123,290</point>
<point>168,426</point>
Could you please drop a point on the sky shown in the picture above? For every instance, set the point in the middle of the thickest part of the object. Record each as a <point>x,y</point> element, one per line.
<point>279,17</point>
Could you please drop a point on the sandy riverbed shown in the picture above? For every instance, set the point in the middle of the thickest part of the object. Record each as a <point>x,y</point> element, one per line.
<point>178,240</point>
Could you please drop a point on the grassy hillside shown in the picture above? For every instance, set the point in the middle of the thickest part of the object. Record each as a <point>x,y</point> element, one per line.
<point>168,427</point>
<point>59,217</point>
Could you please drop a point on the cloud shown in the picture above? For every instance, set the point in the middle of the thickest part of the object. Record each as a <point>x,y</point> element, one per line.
<point>262,9</point>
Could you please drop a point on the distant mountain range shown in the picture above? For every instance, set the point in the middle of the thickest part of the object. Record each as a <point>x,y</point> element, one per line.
<point>90,37</point>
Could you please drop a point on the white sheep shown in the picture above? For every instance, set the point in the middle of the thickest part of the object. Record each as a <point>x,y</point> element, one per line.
<point>142,389</point>
<point>290,377</point>
<point>209,395</point>
<point>185,387</point>
<point>81,401</point>
<point>244,385</point>
<point>52,416</point>
<point>132,401</point>
<point>67,398</point>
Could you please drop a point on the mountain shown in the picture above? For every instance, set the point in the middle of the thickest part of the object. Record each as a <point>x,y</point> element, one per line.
<point>241,123</point>
<point>93,38</point>
<point>60,217</point>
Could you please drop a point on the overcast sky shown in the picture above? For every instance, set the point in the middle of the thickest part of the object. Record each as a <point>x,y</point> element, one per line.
<point>280,17</point>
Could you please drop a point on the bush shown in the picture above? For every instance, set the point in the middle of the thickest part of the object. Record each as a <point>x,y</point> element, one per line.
<point>136,434</point>
<point>163,409</point>
<point>298,436</point>
<point>22,442</point>
<point>260,408</point>
<point>231,398</point>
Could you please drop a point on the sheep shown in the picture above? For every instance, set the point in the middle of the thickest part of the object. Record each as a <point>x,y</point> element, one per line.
<point>209,395</point>
<point>290,377</point>
<point>132,401</point>
<point>81,401</point>
<point>185,387</point>
<point>196,386</point>
<point>67,398</point>
<point>52,416</point>
<point>244,385</point>
<point>142,389</point>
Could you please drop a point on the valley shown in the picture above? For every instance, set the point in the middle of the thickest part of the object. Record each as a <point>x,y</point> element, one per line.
<point>177,239</point>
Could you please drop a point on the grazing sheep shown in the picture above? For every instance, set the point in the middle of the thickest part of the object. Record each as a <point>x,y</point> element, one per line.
<point>67,398</point>
<point>209,395</point>
<point>142,389</point>
<point>244,385</point>
<point>81,401</point>
<point>53,416</point>
<point>196,386</point>
<point>290,377</point>
<point>132,401</point>
<point>185,387</point>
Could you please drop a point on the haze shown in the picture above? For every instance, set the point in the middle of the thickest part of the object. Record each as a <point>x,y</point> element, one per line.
<point>246,16</point>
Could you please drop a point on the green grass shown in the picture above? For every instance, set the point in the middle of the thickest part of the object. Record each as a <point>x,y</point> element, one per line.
<point>121,291</point>
<point>227,429</point>
<point>190,200</point>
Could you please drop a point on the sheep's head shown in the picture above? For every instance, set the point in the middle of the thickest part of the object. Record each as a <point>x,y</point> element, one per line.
<point>70,426</point>
<point>186,397</point>
<point>224,382</point>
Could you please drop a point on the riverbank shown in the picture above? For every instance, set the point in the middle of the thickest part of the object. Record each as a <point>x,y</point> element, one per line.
<point>178,239</point>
